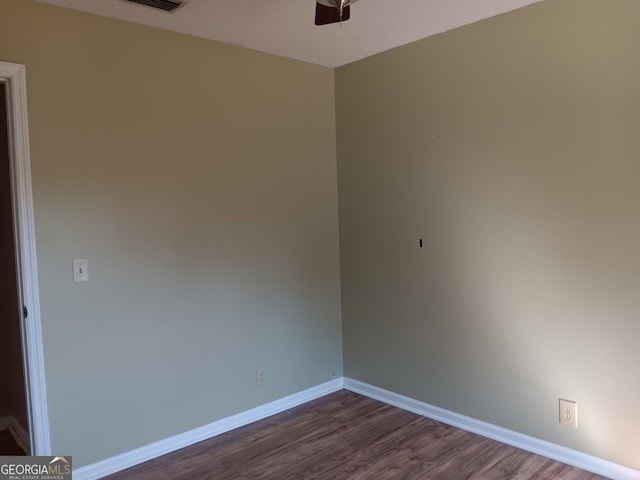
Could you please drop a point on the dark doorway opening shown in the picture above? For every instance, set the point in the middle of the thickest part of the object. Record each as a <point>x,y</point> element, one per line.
<point>14,416</point>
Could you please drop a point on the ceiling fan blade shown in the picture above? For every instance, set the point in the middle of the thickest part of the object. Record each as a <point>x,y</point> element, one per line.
<point>326,15</point>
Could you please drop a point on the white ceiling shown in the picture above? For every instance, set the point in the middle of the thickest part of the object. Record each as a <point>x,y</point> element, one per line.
<point>286,27</point>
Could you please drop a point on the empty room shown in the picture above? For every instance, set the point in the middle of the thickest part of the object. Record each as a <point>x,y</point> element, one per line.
<point>344,240</point>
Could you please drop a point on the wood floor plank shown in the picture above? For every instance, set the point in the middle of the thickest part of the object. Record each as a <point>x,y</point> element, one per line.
<point>345,436</point>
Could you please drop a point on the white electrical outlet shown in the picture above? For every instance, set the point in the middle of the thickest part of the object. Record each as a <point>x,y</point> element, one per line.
<point>568,413</point>
<point>260,377</point>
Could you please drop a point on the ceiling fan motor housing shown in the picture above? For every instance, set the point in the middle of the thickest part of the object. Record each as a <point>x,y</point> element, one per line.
<point>336,3</point>
<point>333,11</point>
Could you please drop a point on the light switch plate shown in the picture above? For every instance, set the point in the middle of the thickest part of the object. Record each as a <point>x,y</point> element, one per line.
<point>80,270</point>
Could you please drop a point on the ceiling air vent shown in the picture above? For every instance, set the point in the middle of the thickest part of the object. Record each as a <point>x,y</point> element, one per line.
<point>164,5</point>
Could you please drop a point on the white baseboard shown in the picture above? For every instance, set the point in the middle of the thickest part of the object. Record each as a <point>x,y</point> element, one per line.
<point>547,449</point>
<point>519,440</point>
<point>148,452</point>
<point>17,431</point>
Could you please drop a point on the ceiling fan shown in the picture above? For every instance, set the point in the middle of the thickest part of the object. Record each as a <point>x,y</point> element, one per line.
<point>333,11</point>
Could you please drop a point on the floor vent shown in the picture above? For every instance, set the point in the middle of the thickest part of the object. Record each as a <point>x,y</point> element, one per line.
<point>164,5</point>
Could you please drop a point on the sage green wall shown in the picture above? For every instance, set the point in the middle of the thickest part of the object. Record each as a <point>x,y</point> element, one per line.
<point>199,180</point>
<point>511,147</point>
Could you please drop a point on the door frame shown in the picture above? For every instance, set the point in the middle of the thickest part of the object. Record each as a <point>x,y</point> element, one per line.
<point>14,77</point>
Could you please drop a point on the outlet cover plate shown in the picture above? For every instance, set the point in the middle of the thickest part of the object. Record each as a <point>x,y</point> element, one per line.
<point>568,413</point>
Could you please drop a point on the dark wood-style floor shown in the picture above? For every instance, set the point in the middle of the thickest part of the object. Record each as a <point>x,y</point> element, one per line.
<point>8,446</point>
<point>345,436</point>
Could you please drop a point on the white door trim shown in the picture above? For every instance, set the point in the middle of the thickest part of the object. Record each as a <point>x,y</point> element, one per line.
<point>13,76</point>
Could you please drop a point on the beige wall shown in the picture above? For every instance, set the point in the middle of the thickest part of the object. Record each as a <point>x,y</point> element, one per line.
<point>199,180</point>
<point>12,387</point>
<point>511,147</point>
